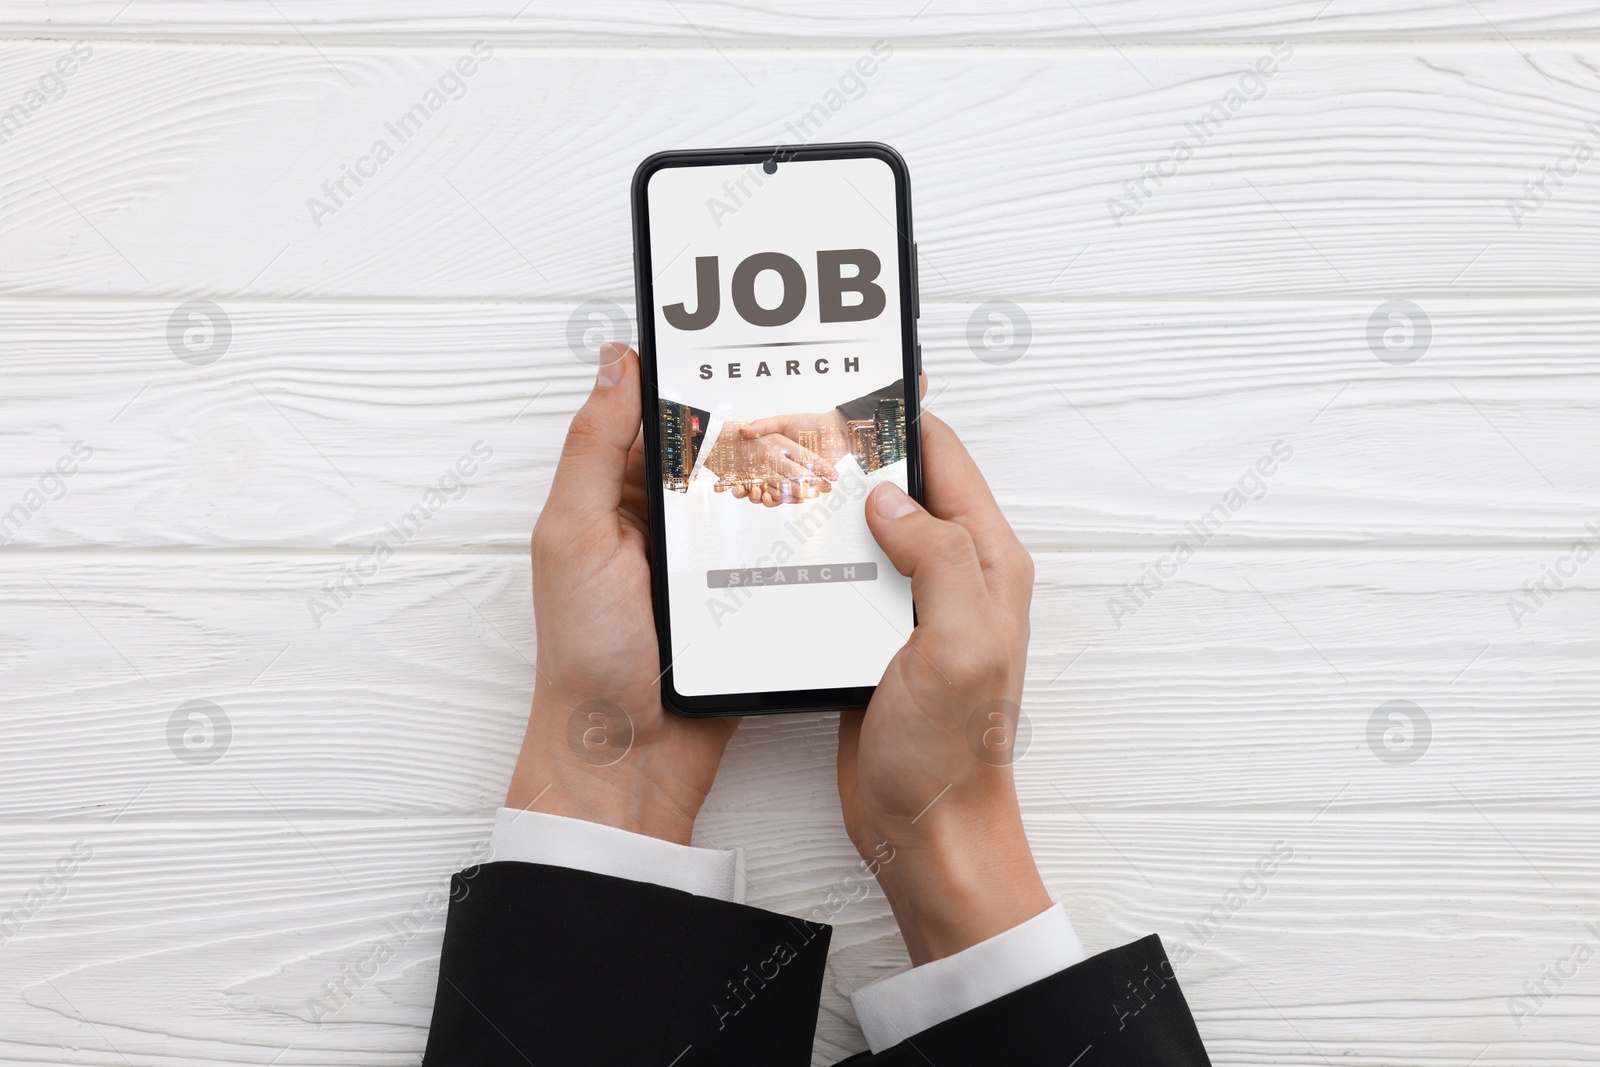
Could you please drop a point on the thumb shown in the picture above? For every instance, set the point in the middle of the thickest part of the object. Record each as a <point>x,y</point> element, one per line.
<point>594,459</point>
<point>939,557</point>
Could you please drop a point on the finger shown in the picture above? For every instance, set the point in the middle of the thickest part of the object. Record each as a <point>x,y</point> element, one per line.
<point>635,499</point>
<point>956,490</point>
<point>594,459</point>
<point>939,557</point>
<point>922,385</point>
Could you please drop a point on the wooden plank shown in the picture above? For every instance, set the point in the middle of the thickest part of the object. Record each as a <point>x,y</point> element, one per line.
<point>1118,424</point>
<point>1032,176</point>
<point>204,941</point>
<point>1250,680</point>
<point>696,22</point>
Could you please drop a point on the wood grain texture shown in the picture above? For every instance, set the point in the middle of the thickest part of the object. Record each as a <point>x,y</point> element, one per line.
<point>1184,720</point>
<point>324,422</point>
<point>202,941</point>
<point>563,23</point>
<point>1246,682</point>
<point>1382,173</point>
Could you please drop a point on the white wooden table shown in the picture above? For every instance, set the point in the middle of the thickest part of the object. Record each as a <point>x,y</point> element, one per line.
<point>182,896</point>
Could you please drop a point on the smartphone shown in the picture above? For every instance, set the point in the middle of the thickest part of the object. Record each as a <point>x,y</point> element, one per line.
<point>778,310</point>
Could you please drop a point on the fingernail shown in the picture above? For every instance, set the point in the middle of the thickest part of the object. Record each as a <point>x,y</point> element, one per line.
<point>610,372</point>
<point>892,502</point>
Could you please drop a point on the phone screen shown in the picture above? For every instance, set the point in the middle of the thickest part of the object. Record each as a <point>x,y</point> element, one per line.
<point>781,371</point>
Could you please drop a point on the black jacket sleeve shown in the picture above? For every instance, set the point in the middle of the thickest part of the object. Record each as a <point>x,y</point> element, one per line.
<point>562,968</point>
<point>1122,1008</point>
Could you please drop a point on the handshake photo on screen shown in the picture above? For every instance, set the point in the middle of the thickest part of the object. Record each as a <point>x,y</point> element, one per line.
<point>782,459</point>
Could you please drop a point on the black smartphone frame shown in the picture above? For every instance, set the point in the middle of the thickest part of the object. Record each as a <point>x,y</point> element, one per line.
<point>794,700</point>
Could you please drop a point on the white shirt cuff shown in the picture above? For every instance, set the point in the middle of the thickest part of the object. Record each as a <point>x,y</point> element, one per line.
<point>555,840</point>
<point>905,1004</point>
